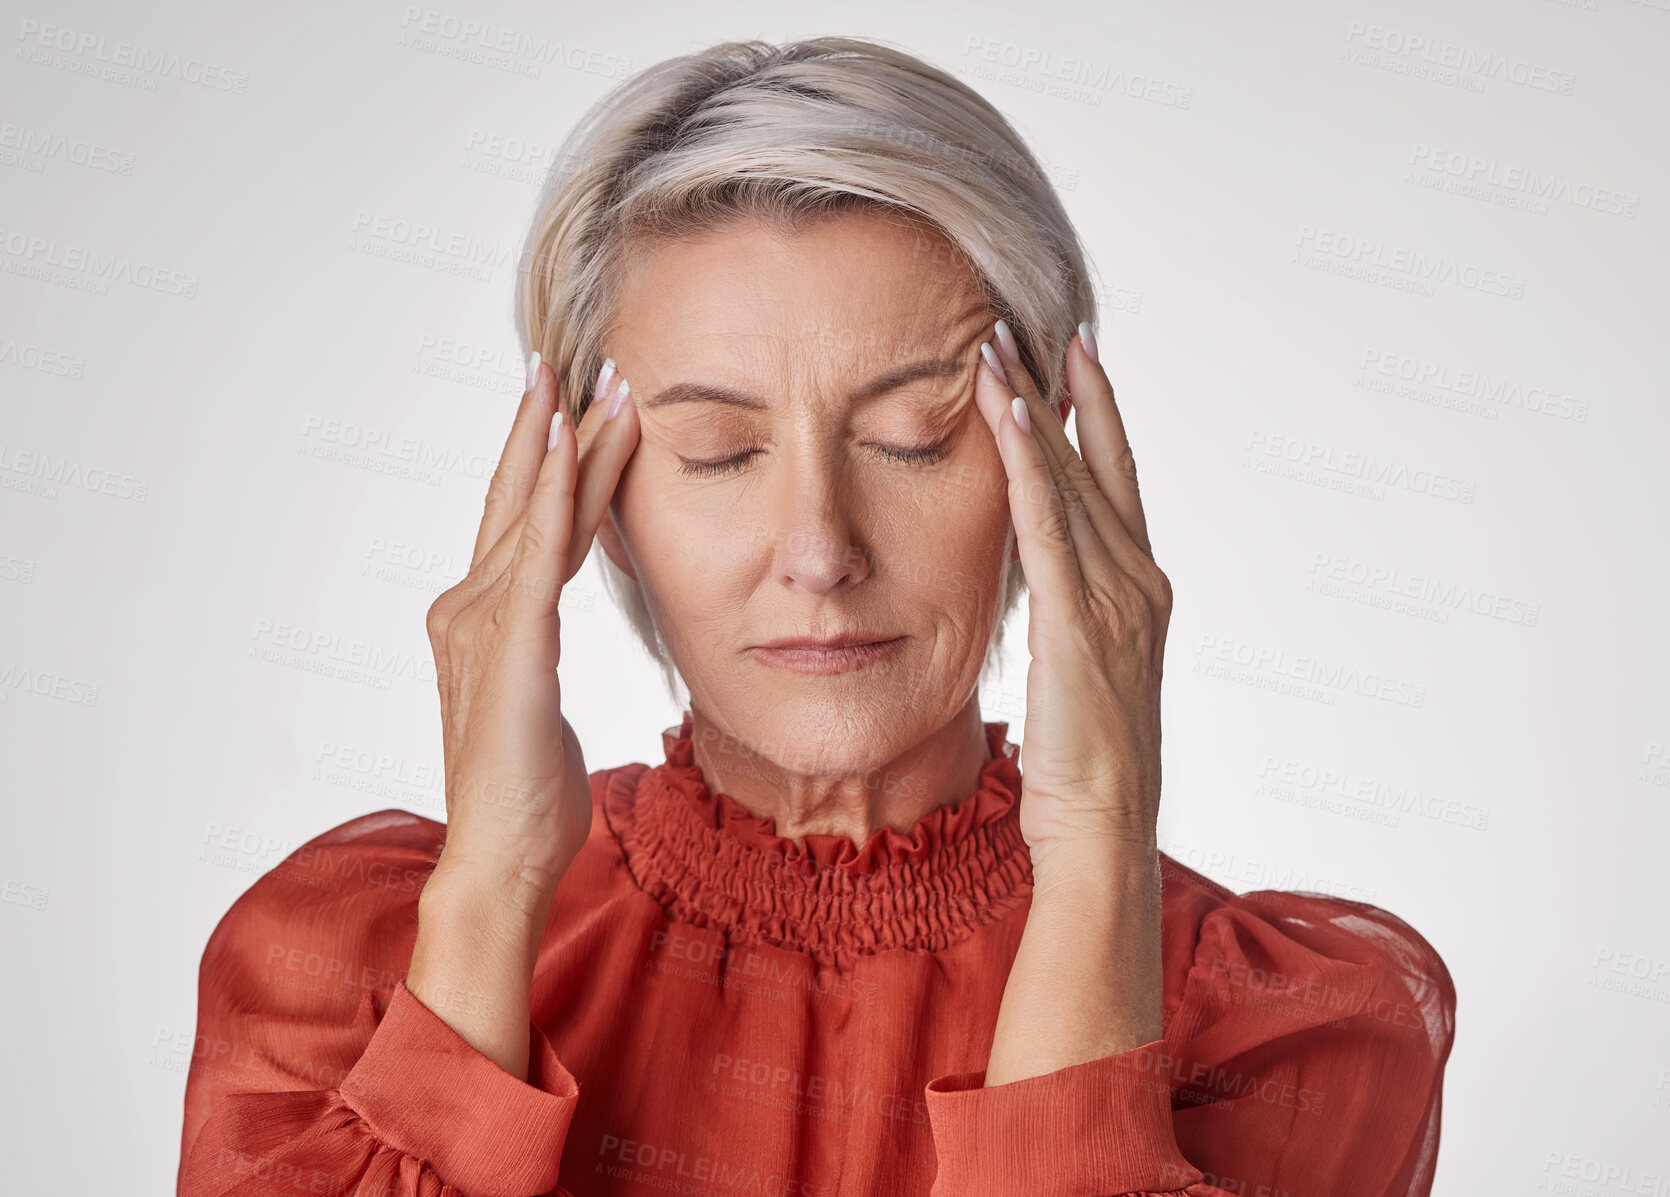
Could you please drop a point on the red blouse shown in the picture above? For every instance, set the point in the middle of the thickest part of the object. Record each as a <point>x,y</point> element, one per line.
<point>719,1011</point>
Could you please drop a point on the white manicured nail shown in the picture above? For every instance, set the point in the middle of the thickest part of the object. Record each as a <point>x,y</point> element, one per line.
<point>1088,340</point>
<point>556,427</point>
<point>990,354</point>
<point>618,403</point>
<point>1022,417</point>
<point>1006,339</point>
<point>533,368</point>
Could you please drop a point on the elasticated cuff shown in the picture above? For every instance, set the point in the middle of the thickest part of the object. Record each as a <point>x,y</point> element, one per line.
<point>422,1089</point>
<point>1088,1130</point>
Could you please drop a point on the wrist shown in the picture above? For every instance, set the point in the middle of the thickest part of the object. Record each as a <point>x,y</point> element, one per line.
<point>1103,863</point>
<point>472,965</point>
<point>508,905</point>
<point>473,950</point>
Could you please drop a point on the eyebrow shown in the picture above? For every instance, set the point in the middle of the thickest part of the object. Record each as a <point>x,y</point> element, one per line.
<point>702,392</point>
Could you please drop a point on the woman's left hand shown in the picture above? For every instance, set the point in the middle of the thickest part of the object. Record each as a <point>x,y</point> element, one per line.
<point>1099,608</point>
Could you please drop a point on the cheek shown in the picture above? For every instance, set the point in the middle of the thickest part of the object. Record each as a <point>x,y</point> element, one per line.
<point>949,542</point>
<point>684,544</point>
<point>965,502</point>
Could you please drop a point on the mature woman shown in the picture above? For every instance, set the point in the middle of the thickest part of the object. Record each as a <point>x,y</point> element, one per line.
<point>808,320</point>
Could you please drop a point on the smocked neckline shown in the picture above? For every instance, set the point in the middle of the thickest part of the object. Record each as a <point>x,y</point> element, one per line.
<point>711,862</point>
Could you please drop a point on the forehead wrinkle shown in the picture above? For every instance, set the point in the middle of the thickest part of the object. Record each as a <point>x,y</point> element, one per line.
<point>888,382</point>
<point>815,357</point>
<point>942,418</point>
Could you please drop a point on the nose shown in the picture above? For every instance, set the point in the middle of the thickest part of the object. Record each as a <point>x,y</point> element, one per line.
<point>819,543</point>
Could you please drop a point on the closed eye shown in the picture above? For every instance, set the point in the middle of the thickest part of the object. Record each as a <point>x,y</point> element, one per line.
<point>929,455</point>
<point>729,466</point>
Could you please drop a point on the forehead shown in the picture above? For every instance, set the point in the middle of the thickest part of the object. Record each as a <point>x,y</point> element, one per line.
<point>855,285</point>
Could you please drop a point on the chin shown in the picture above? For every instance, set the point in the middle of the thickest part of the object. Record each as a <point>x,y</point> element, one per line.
<point>821,727</point>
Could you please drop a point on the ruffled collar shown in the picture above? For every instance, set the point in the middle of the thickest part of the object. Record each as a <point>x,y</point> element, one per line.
<point>711,862</point>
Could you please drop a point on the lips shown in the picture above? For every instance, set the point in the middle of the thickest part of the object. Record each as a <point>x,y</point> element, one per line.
<point>825,656</point>
<point>839,640</point>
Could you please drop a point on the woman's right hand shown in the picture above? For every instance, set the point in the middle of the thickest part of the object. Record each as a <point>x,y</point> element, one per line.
<point>518,796</point>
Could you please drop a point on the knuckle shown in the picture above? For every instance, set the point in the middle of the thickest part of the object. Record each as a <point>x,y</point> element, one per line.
<point>498,488</point>
<point>536,539</point>
<point>1054,526</point>
<point>1125,613</point>
<point>1078,474</point>
<point>1070,485</point>
<point>1126,463</point>
<point>1119,603</point>
<point>440,615</point>
<point>1162,587</point>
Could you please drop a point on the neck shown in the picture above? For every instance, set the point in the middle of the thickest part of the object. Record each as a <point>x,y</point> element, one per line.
<point>838,783</point>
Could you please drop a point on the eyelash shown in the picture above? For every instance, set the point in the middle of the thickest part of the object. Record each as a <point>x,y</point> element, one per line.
<point>924,457</point>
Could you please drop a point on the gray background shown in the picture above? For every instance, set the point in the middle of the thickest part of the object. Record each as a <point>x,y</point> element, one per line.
<point>1384,307</point>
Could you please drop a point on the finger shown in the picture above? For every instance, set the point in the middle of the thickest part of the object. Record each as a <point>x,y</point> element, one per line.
<point>493,565</point>
<point>1107,450</point>
<point>1016,381</point>
<point>1043,525</point>
<point>1077,484</point>
<point>524,450</point>
<point>536,574</point>
<point>1009,354</point>
<point>607,443</point>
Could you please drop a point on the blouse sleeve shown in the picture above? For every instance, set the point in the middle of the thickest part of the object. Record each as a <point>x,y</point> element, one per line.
<point>299,1085</point>
<point>1303,1054</point>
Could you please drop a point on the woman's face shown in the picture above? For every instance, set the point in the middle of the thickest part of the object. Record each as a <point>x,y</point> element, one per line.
<point>812,461</point>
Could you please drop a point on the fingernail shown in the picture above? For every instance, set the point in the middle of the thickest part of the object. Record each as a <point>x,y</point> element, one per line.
<point>1018,407</point>
<point>602,386</point>
<point>533,370</point>
<point>618,403</point>
<point>1006,339</point>
<point>990,354</point>
<point>1088,340</point>
<point>556,427</point>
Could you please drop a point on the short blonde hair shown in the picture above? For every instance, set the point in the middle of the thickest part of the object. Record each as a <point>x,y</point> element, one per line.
<point>789,133</point>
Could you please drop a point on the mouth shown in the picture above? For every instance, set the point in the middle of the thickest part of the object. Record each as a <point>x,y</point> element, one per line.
<point>839,640</point>
<point>827,655</point>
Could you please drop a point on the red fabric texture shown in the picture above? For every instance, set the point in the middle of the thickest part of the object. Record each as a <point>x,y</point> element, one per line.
<point>719,1010</point>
